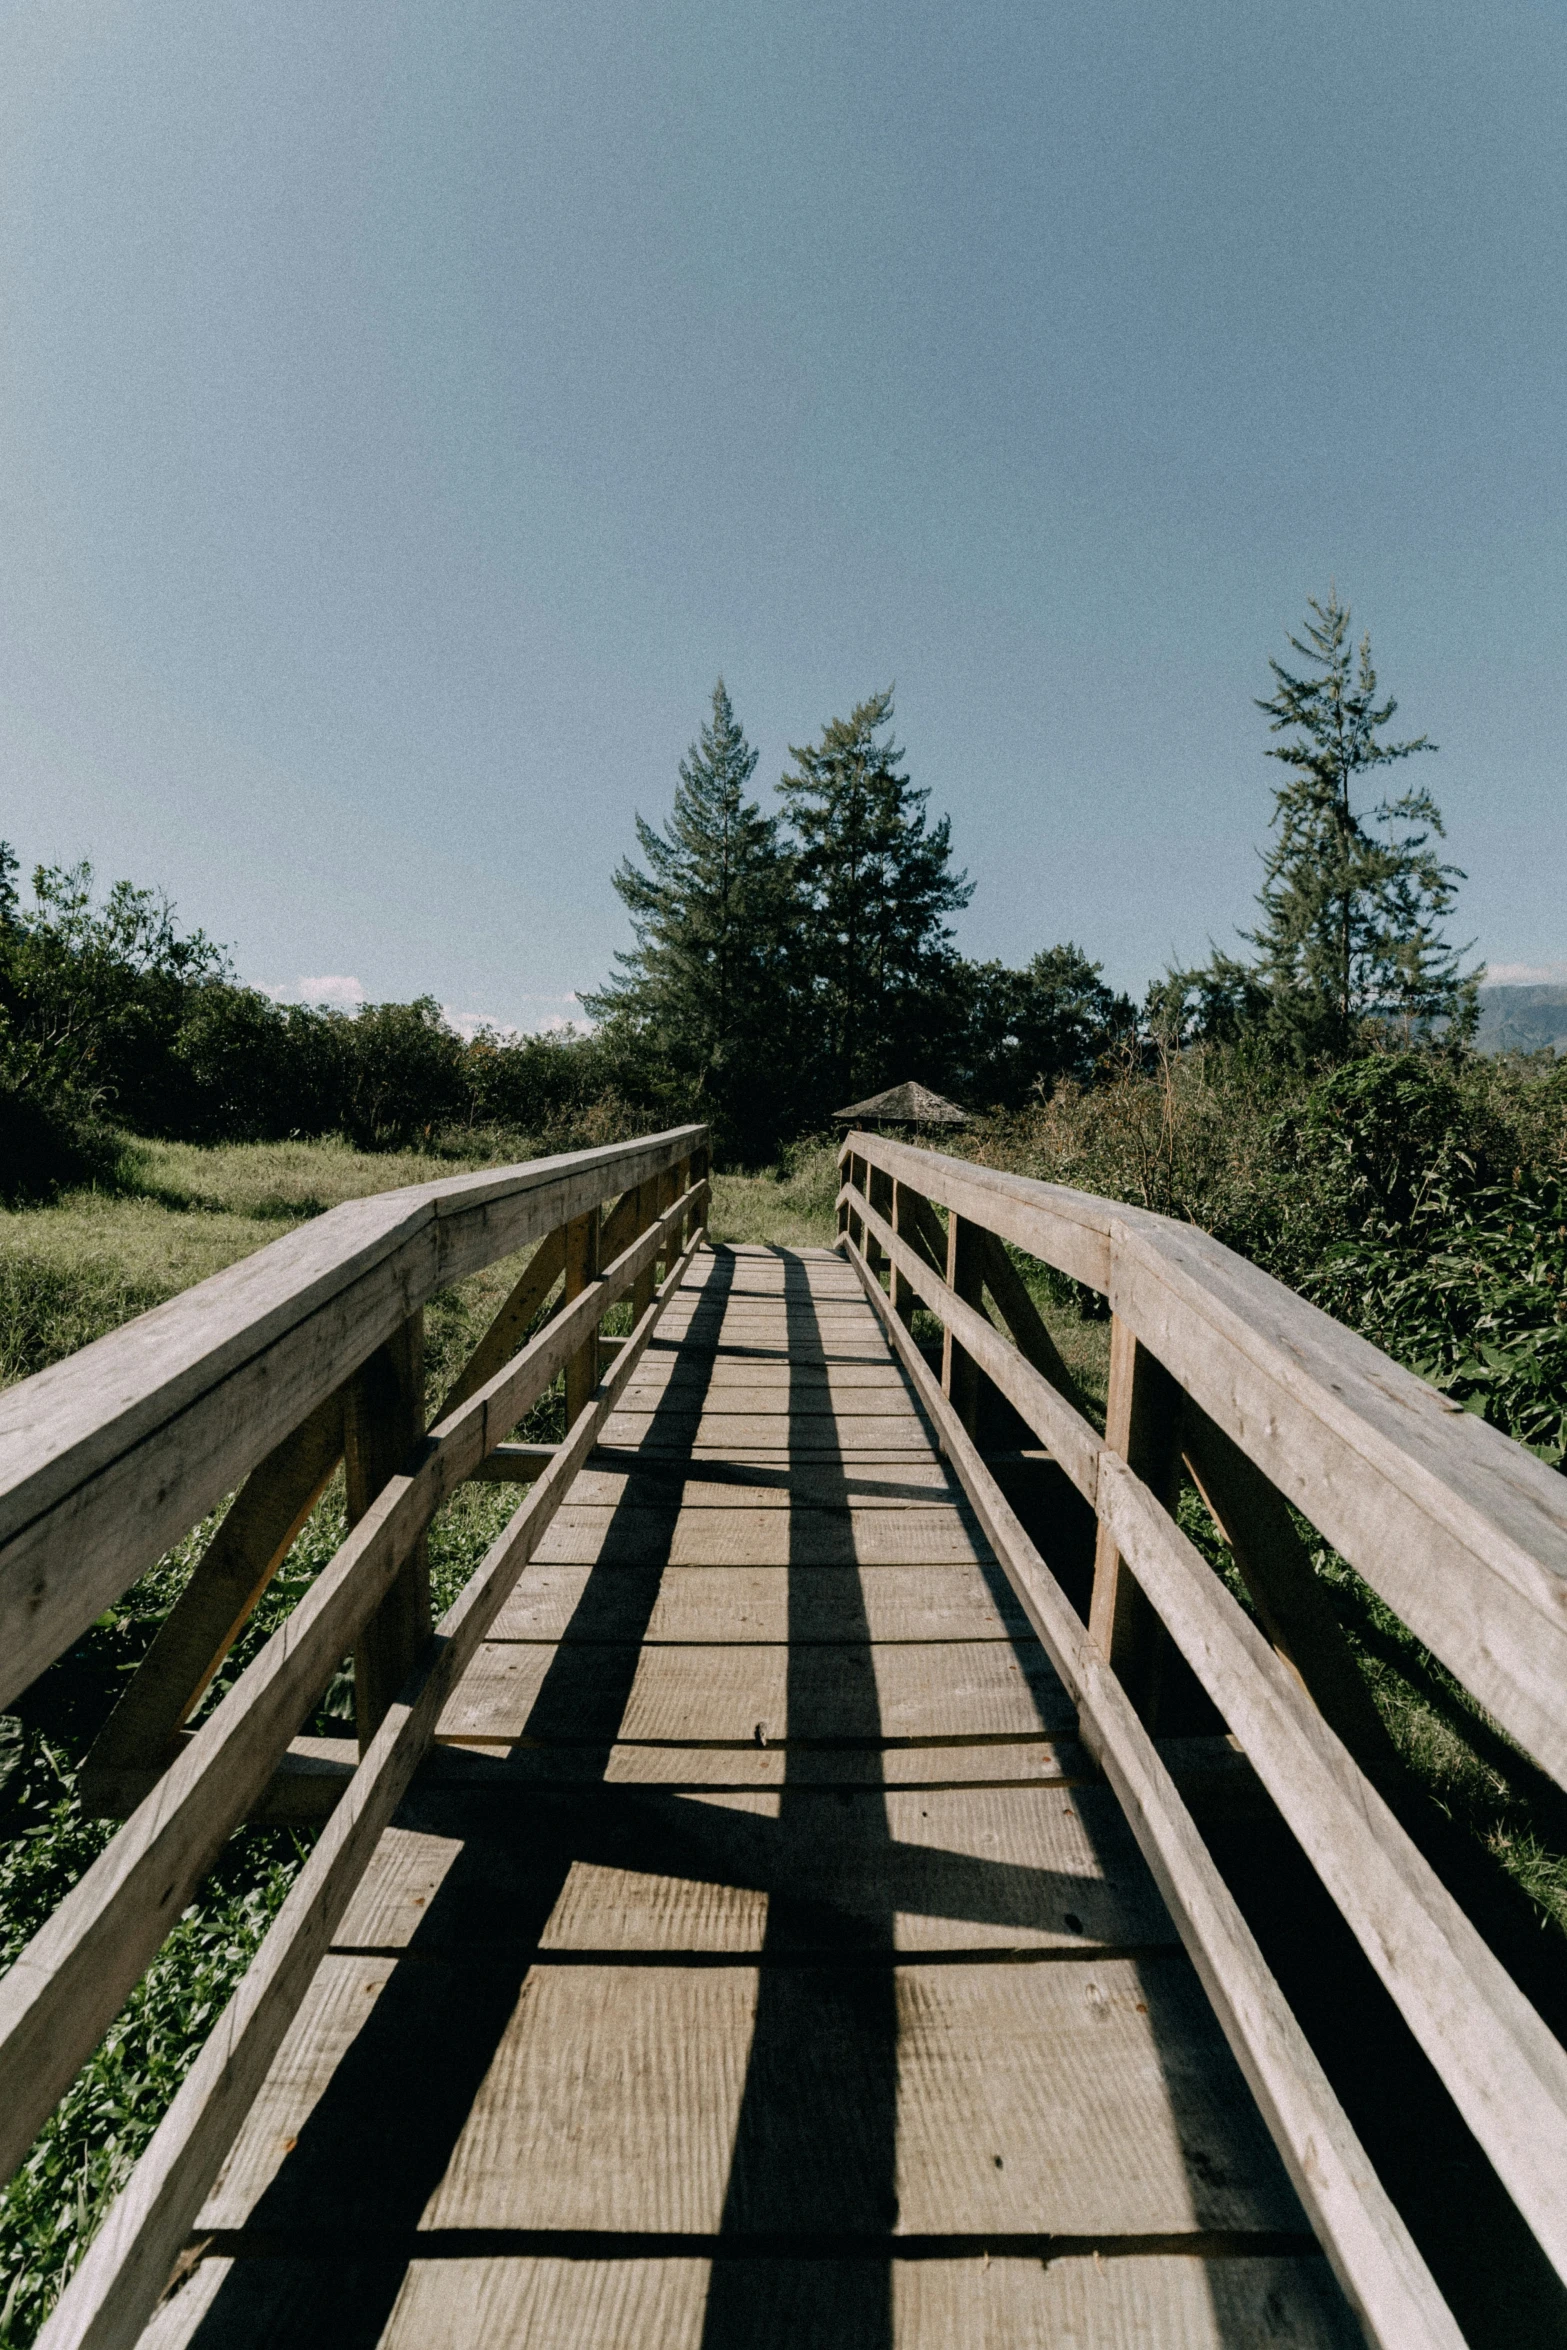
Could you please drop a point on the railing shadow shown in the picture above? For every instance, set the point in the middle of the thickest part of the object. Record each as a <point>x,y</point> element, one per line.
<point>815,2152</point>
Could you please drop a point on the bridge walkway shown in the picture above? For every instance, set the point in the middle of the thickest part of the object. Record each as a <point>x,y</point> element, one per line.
<point>758,1960</point>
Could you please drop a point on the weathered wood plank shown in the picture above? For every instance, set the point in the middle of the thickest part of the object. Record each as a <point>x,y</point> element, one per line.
<point>646,1872</point>
<point>709,1603</point>
<point>383,1420</point>
<point>778,1538</point>
<point>1142,1425</point>
<point>1073,1441</point>
<point>1090,2300</point>
<point>720,1695</point>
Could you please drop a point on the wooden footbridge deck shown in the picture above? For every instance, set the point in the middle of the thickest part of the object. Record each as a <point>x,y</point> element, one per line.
<point>761,1913</point>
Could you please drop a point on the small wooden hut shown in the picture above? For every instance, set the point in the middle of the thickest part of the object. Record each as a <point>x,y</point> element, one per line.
<point>900,1106</point>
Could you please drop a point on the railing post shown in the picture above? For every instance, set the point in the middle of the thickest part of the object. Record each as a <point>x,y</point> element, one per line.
<point>582,1264</point>
<point>647,1210</point>
<point>1143,1425</point>
<point>878,1190</point>
<point>383,1420</point>
<point>966,1275</point>
<point>903,1223</point>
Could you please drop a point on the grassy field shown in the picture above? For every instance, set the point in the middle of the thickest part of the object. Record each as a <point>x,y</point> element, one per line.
<point>70,1271</point>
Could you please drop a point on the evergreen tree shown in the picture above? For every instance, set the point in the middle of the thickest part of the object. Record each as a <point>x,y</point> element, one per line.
<point>705,986</point>
<point>874,879</point>
<point>1353,898</point>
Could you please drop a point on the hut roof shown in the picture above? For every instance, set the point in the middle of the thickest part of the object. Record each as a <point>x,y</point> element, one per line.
<point>903,1105</point>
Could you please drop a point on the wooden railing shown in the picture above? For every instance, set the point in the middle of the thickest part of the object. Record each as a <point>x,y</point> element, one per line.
<point>266,1377</point>
<point>1219,1373</point>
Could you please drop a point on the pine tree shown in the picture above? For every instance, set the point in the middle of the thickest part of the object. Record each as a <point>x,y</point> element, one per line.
<point>874,880</point>
<point>705,985</point>
<point>1353,898</point>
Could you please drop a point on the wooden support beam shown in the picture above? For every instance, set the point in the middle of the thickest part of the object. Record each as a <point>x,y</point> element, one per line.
<point>512,1323</point>
<point>582,1264</point>
<point>1009,1293</point>
<point>878,1190</point>
<point>903,1223</point>
<point>1143,1425</point>
<point>965,1278</point>
<point>382,1423</point>
<point>1296,1611</point>
<point>647,1209</point>
<point>261,1526</point>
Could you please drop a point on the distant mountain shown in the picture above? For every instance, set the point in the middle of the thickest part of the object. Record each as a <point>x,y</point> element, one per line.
<point>1522,1019</point>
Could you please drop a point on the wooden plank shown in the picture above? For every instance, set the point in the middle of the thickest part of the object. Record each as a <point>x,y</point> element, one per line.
<point>960,1376</point>
<point>707,1603</point>
<point>720,1695</point>
<point>115,2288</point>
<point>1093,2127</point>
<point>72,1977</point>
<point>1064,1228</point>
<point>110,1456</point>
<point>825,1437</point>
<point>767,1538</point>
<point>1504,2070</point>
<point>239,1562</point>
<point>647,1872</point>
<point>1461,1531</point>
<point>383,1420</point>
<point>761,1482</point>
<point>1370,2248</point>
<point>1090,2300</point>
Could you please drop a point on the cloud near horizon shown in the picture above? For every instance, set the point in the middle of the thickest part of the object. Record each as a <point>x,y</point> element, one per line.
<point>1526,974</point>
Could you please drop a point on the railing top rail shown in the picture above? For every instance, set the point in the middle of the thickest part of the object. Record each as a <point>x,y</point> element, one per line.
<point>116,1451</point>
<point>1460,1529</point>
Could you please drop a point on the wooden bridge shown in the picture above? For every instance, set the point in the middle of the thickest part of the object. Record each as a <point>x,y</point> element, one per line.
<point>781,1902</point>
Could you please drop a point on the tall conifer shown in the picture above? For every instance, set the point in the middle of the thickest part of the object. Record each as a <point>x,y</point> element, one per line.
<point>705,982</point>
<point>1353,897</point>
<point>873,879</point>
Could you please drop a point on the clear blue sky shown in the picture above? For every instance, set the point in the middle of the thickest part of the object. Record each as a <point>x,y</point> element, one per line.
<point>406,412</point>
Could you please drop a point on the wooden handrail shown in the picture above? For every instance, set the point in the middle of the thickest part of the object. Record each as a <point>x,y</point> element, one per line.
<point>109,1457</point>
<point>1460,1529</point>
<point>73,1976</point>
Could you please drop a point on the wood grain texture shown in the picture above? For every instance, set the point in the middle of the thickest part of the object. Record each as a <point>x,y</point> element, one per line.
<point>742,1603</point>
<point>694,1695</point>
<point>822,1536</point>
